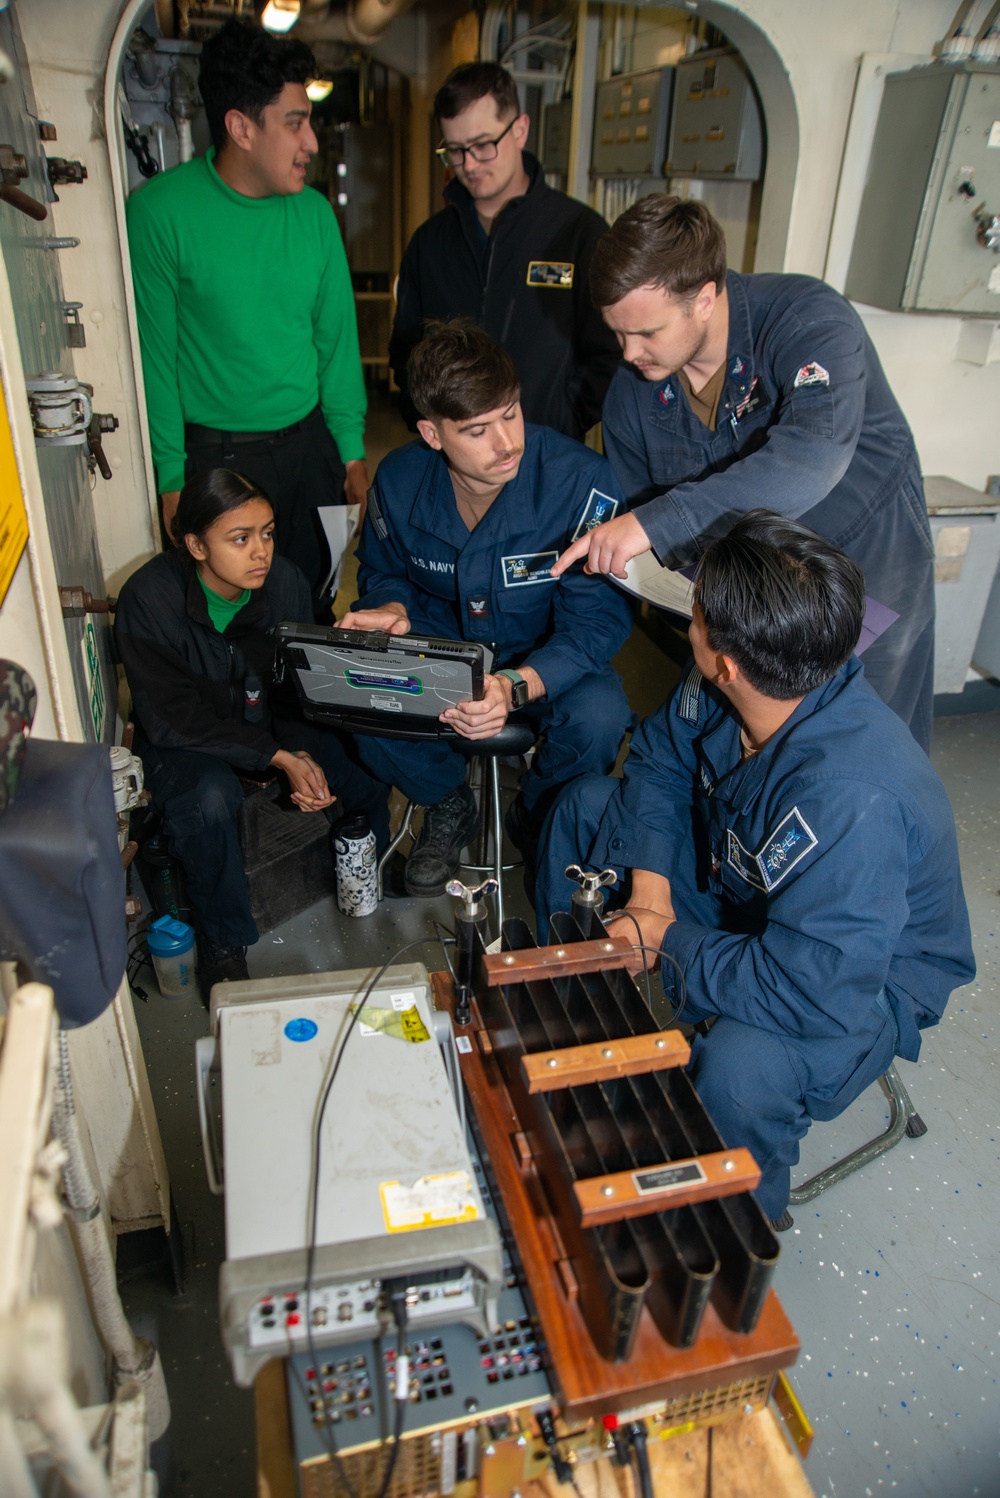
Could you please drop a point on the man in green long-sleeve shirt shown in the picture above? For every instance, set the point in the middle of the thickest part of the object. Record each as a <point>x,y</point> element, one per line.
<point>245,305</point>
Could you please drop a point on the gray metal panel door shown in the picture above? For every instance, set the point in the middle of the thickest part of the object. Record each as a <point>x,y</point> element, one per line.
<point>958,273</point>
<point>36,290</point>
<point>906,138</point>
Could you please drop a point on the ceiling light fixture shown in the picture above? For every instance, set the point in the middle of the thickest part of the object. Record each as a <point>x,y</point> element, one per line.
<point>280,15</point>
<point>319,89</point>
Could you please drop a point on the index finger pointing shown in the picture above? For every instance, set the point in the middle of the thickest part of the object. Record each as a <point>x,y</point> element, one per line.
<point>570,555</point>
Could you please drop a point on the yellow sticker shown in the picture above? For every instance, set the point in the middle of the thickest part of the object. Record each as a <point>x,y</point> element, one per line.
<point>403,1024</point>
<point>13,516</point>
<point>431,1202</point>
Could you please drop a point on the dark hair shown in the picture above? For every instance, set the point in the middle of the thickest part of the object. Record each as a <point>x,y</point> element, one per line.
<point>457,371</point>
<point>244,67</point>
<point>207,496</point>
<point>782,602</point>
<point>672,243</point>
<point>472,81</point>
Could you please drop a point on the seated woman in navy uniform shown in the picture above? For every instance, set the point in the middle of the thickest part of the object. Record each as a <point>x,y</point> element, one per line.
<point>194,628</point>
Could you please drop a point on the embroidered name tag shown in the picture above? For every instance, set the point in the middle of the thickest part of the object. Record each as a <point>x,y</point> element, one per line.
<point>532,567</point>
<point>743,862</point>
<point>550,273</point>
<point>430,564</point>
<point>599,507</point>
<point>780,851</point>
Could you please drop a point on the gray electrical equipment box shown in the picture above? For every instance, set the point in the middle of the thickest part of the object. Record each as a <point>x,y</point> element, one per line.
<point>396,1195</point>
<point>555,150</point>
<point>630,124</point>
<point>928,233</point>
<point>716,127</point>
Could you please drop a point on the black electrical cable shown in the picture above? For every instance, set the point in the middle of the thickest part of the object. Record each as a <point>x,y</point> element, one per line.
<point>642,952</point>
<point>401,1372</point>
<point>664,956</point>
<point>313,1218</point>
<point>449,939</point>
<point>637,1436</point>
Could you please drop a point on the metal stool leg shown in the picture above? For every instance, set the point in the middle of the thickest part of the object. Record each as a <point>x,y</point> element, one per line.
<point>404,827</point>
<point>497,837</point>
<point>903,1119</point>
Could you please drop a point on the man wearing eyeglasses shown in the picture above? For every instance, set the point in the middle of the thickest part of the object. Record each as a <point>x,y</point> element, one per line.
<point>512,254</point>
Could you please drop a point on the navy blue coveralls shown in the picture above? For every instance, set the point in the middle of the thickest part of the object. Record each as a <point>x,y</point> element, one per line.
<point>493,584</point>
<point>807,426</point>
<point>819,903</point>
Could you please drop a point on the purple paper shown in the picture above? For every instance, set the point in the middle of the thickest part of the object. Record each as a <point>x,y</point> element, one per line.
<point>876,621</point>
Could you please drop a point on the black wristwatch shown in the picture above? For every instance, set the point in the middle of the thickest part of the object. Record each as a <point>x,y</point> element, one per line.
<point>520,695</point>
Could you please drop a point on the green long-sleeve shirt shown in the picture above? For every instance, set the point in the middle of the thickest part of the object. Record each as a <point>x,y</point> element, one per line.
<point>246,313</point>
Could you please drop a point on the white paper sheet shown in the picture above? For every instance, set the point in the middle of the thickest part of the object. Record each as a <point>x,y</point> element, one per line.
<point>658,585</point>
<point>339,523</point>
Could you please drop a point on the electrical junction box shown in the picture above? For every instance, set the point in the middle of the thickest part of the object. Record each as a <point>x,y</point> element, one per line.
<point>630,124</point>
<point>716,128</point>
<point>396,1191</point>
<point>926,238</point>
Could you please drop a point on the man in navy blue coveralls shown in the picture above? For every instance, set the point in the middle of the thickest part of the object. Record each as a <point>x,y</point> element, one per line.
<point>740,391</point>
<point>461,532</point>
<point>787,845</point>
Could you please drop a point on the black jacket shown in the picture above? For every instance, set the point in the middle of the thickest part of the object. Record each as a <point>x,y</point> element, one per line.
<point>564,354</point>
<point>193,688</point>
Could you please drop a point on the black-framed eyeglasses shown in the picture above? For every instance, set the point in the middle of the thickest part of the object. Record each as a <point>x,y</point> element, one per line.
<point>481,150</point>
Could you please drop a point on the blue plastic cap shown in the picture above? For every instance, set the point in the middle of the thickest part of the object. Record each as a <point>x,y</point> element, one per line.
<point>165,936</point>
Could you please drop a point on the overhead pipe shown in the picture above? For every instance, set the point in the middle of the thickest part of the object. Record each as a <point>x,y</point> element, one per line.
<point>363,23</point>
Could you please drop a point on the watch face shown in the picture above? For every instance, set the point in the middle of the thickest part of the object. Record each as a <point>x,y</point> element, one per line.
<point>519,696</point>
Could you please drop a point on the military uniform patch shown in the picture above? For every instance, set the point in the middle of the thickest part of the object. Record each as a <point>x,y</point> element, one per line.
<point>780,851</point>
<point>743,862</point>
<point>374,514</point>
<point>550,273</point>
<point>533,567</point>
<point>791,840</point>
<point>811,374</point>
<point>479,607</point>
<point>599,508</point>
<point>665,394</point>
<point>751,402</point>
<point>690,703</point>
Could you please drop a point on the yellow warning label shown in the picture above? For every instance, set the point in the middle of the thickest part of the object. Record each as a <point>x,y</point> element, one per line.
<point>13,517</point>
<point>403,1024</point>
<point>431,1202</point>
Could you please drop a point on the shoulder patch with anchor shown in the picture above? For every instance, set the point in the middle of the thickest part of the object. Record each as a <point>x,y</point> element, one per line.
<point>780,851</point>
<point>599,508</point>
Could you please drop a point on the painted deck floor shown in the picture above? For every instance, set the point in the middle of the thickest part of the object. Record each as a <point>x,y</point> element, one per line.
<point>891,1279</point>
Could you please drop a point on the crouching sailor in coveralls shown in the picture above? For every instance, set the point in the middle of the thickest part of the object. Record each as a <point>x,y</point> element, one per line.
<point>461,531</point>
<point>786,843</point>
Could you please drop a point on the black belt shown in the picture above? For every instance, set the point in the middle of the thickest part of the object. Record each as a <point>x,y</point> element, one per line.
<point>193,433</point>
